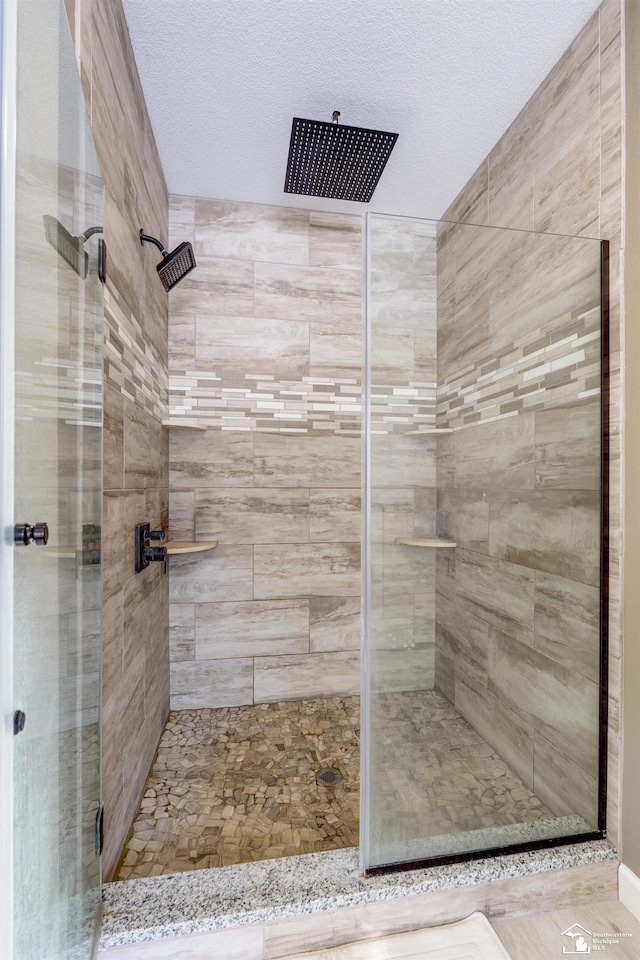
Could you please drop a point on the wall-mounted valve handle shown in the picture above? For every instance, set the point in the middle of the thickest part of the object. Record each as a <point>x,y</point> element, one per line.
<point>144,552</point>
<point>26,533</point>
<point>157,554</point>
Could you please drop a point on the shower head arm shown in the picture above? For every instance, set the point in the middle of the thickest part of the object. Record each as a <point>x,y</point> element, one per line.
<point>144,238</point>
<point>89,233</point>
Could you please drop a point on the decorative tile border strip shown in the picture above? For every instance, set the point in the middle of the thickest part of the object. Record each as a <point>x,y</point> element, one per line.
<point>562,368</point>
<point>132,364</point>
<point>310,406</point>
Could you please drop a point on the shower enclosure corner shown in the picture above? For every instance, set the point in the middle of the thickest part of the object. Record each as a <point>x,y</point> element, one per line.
<point>485,492</point>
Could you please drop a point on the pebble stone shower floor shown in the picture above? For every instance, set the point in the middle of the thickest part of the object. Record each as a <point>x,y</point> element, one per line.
<point>236,784</point>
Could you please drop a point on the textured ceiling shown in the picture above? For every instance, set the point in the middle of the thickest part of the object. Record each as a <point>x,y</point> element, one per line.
<point>223,79</point>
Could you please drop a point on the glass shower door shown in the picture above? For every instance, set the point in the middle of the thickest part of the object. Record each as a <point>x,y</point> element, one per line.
<point>55,377</point>
<point>486,530</point>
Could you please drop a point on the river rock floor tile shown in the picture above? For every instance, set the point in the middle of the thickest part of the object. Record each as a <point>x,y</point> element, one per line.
<point>238,784</point>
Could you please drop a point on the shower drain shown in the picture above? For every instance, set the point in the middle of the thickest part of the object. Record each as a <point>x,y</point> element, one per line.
<point>328,777</point>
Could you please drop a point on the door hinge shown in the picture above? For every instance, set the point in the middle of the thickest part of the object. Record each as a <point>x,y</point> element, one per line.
<point>99,830</point>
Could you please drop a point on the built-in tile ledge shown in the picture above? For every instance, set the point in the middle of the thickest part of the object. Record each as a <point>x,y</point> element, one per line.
<point>188,546</point>
<point>428,433</point>
<point>213,899</point>
<point>435,542</point>
<point>183,425</point>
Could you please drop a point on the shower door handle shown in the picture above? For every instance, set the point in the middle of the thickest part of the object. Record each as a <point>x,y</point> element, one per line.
<point>26,533</point>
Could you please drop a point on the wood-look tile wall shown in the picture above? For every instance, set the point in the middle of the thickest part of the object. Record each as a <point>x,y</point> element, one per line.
<point>517,605</point>
<point>135,608</point>
<point>265,343</point>
<point>402,357</point>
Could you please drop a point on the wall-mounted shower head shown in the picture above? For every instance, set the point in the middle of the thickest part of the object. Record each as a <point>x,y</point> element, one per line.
<point>175,265</point>
<point>69,247</point>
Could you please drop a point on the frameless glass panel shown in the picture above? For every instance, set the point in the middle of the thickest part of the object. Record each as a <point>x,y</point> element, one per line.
<point>484,535</point>
<point>58,444</point>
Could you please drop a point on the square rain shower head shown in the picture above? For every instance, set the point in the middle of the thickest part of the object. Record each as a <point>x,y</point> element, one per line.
<point>176,265</point>
<point>335,160</point>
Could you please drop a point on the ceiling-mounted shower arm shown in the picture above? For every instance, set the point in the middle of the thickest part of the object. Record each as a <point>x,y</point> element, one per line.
<point>145,238</point>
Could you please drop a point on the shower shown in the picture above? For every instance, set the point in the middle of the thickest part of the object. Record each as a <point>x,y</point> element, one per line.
<point>175,265</point>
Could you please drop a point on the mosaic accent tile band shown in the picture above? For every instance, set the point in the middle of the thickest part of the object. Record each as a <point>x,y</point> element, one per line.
<point>311,405</point>
<point>533,374</point>
<point>132,364</point>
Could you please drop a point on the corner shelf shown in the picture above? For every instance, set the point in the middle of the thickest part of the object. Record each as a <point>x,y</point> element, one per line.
<point>436,543</point>
<point>175,547</point>
<point>182,425</point>
<point>429,432</point>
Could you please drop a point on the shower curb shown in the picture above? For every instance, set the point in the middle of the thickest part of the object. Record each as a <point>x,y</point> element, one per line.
<point>223,897</point>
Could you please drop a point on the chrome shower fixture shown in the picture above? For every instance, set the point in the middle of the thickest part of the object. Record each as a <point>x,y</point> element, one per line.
<point>175,265</point>
<point>335,160</point>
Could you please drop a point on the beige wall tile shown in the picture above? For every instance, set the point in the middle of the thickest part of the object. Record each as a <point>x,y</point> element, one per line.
<point>143,611</point>
<point>112,640</point>
<point>297,570</point>
<point>556,702</point>
<point>182,214</point>
<point>570,209</point>
<point>210,459</point>
<point>335,240</point>
<point>255,628</point>
<point>313,675</point>
<point>122,510</point>
<point>335,350</point>
<point>463,516</point>
<point>307,293</point>
<point>567,623</point>
<point>500,593</point>
<point>225,573</point>
<point>182,343</point>
<point>244,345</point>
<point>282,461</point>
<point>334,623</point>
<point>253,515</point>
<point>334,514</point>
<point>113,468</point>
<point>182,631</point>
<point>563,784</point>
<point>556,531</point>
<point>182,510</point>
<point>567,442</point>
<point>251,231</point>
<point>417,456</point>
<point>198,684</point>
<point>217,286</point>
<point>496,455</point>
